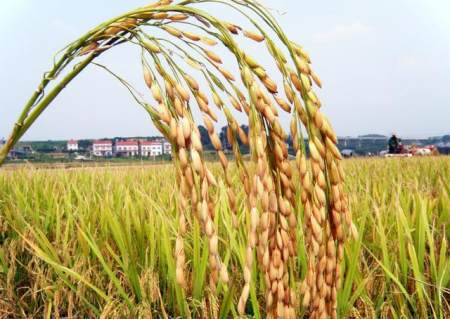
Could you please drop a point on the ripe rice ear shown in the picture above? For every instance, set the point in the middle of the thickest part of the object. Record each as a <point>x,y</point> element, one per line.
<point>160,15</point>
<point>213,56</point>
<point>152,47</point>
<point>254,36</point>
<point>208,41</point>
<point>88,48</point>
<point>148,78</point>
<point>191,36</point>
<point>178,17</point>
<point>173,31</point>
<point>232,28</point>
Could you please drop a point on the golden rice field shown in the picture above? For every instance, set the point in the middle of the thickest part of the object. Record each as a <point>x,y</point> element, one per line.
<point>99,243</point>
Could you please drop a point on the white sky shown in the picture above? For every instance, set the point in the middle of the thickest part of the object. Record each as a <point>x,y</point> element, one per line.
<point>385,65</point>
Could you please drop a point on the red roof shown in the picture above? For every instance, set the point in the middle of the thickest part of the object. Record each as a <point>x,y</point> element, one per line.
<point>72,142</point>
<point>123,143</point>
<point>150,143</point>
<point>103,142</point>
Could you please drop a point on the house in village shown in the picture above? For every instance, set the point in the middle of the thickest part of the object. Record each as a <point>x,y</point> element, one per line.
<point>155,148</point>
<point>102,148</point>
<point>151,148</point>
<point>126,148</point>
<point>72,145</point>
<point>143,148</point>
<point>167,147</point>
<point>130,148</point>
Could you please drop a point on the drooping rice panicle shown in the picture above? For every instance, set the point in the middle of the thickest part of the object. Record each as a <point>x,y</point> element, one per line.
<point>270,192</point>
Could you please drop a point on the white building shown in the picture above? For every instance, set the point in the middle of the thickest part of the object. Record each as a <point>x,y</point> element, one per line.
<point>102,148</point>
<point>72,145</point>
<point>151,148</point>
<point>155,148</point>
<point>126,148</point>
<point>167,147</point>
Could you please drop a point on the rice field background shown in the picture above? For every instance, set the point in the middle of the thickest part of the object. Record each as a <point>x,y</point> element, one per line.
<point>99,242</point>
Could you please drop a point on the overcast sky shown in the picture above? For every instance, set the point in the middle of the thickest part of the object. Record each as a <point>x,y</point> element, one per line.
<point>385,65</point>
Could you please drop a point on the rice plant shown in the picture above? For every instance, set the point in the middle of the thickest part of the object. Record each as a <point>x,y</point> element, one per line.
<point>271,207</point>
